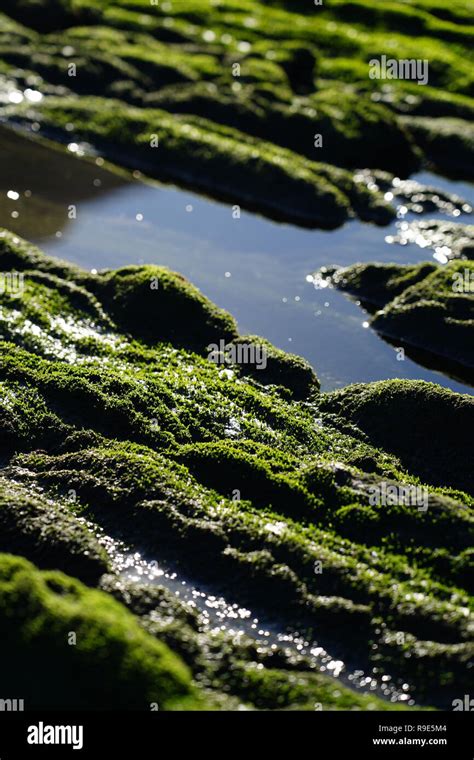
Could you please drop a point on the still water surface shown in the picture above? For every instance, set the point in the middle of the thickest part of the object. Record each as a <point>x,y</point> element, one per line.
<point>255,268</point>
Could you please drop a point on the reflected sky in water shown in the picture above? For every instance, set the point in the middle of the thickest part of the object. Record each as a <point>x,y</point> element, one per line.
<point>255,268</point>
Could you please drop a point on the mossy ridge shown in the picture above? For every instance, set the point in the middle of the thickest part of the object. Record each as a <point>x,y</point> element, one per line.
<point>130,297</point>
<point>120,476</point>
<point>191,533</point>
<point>326,196</point>
<point>267,556</point>
<point>431,102</point>
<point>119,661</point>
<point>403,17</point>
<point>20,255</point>
<point>377,284</point>
<point>447,142</point>
<point>435,314</point>
<point>274,689</point>
<point>304,74</point>
<point>125,405</point>
<point>322,493</point>
<point>26,420</point>
<point>427,306</point>
<point>410,15</point>
<point>48,534</point>
<point>356,131</point>
<point>303,467</point>
<point>427,445</point>
<point>274,411</point>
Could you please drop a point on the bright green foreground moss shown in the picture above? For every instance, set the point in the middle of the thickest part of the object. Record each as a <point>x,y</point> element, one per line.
<point>244,480</point>
<point>113,664</point>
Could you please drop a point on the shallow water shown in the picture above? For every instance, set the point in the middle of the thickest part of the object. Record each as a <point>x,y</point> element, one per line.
<point>219,613</point>
<point>255,268</point>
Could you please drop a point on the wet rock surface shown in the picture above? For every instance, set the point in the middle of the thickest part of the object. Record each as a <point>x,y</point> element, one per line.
<point>427,306</point>
<point>447,240</point>
<point>256,105</point>
<point>414,196</point>
<point>178,534</point>
<point>256,489</point>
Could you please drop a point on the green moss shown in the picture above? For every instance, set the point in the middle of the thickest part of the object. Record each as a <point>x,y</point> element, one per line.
<point>262,675</point>
<point>356,131</point>
<point>417,421</point>
<point>237,97</point>
<point>261,474</point>
<point>246,469</point>
<point>275,367</point>
<point>446,664</point>
<point>425,306</point>
<point>179,516</point>
<point>247,478</point>
<point>113,664</point>
<point>19,255</point>
<point>141,300</point>
<point>436,313</point>
<point>213,158</point>
<point>48,534</point>
<point>26,420</point>
<point>378,284</point>
<point>447,142</point>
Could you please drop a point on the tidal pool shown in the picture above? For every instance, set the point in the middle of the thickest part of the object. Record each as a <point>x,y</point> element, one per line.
<point>78,208</point>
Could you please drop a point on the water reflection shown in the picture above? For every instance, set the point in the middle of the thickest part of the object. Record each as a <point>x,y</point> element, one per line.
<point>255,268</point>
<point>39,186</point>
<point>218,614</point>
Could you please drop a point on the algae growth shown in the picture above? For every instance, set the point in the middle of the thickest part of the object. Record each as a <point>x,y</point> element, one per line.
<point>426,306</point>
<point>317,546</point>
<point>268,106</point>
<point>118,424</point>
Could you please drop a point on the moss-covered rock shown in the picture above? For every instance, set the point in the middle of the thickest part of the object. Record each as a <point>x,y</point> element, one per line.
<point>448,143</point>
<point>258,486</point>
<point>20,255</point>
<point>244,476</point>
<point>263,675</point>
<point>436,314</point>
<point>377,284</point>
<point>70,647</point>
<point>419,422</point>
<point>213,158</point>
<point>256,105</point>
<point>142,299</point>
<point>355,130</point>
<point>48,534</point>
<point>257,358</point>
<point>453,660</point>
<point>425,306</point>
